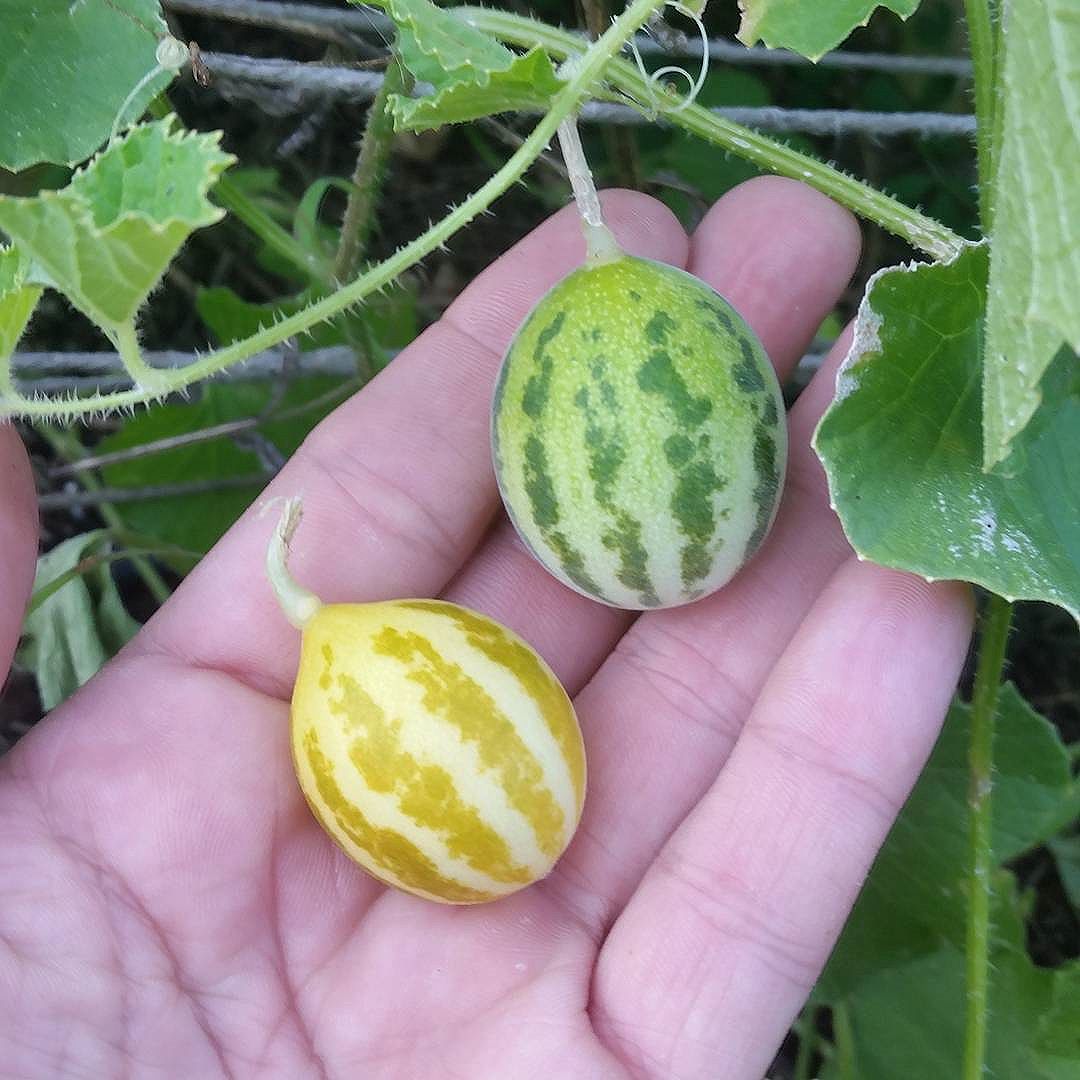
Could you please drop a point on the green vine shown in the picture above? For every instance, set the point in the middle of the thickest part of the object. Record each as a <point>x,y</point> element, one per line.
<point>592,64</point>
<point>367,176</point>
<point>586,72</point>
<point>922,232</point>
<point>992,643</point>
<point>983,43</point>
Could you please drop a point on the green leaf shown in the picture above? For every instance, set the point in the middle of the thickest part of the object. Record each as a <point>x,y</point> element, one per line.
<point>106,238</point>
<point>1066,852</point>
<point>65,71</point>
<point>908,1019</point>
<point>389,317</point>
<point>18,298</point>
<point>1058,1044</point>
<point>196,522</point>
<point>529,82</point>
<point>902,445</point>
<point>915,896</point>
<point>472,74</point>
<point>440,48</point>
<point>70,635</point>
<point>1035,258</point>
<point>810,29</point>
<point>898,969</point>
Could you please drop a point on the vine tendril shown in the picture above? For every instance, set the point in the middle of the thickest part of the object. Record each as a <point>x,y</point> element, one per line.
<point>654,79</point>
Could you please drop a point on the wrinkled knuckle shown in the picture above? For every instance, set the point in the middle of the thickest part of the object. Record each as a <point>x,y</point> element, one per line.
<point>687,680</point>
<point>735,911</point>
<point>815,754</point>
<point>377,504</point>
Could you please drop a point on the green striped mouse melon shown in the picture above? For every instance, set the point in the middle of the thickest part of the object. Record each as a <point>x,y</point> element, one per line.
<point>638,435</point>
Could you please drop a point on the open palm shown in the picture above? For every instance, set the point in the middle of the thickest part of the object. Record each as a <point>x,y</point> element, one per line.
<point>168,907</point>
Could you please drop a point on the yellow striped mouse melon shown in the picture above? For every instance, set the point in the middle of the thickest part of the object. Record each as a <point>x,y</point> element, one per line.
<point>433,745</point>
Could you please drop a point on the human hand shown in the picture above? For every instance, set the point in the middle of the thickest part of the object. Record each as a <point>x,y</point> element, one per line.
<point>169,907</point>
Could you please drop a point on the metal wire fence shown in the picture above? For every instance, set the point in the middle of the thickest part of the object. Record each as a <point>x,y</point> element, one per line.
<point>283,87</point>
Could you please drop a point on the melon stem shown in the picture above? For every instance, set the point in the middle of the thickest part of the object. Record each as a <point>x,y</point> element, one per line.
<point>298,603</point>
<point>600,243</point>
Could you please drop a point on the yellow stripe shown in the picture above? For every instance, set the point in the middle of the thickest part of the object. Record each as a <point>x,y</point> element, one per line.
<point>536,679</point>
<point>425,793</point>
<point>451,694</point>
<point>404,863</point>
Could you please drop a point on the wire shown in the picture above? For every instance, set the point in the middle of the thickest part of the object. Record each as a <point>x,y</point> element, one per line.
<point>329,23</point>
<point>283,86</point>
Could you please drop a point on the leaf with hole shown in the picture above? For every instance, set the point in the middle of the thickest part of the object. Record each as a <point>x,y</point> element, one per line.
<point>902,445</point>
<point>528,83</point>
<point>810,29</point>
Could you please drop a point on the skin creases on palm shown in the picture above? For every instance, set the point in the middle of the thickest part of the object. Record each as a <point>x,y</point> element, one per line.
<point>168,906</point>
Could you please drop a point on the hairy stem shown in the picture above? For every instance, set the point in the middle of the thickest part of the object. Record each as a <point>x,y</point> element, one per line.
<point>991,660</point>
<point>146,378</point>
<point>922,232</point>
<point>620,143</point>
<point>586,73</point>
<point>982,40</point>
<point>367,176</point>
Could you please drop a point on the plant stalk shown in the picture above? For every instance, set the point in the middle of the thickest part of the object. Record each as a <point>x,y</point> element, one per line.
<point>844,1037</point>
<point>991,660</point>
<point>262,225</point>
<point>600,243</point>
<point>982,41</point>
<point>587,72</point>
<point>367,177</point>
<point>232,198</point>
<point>922,232</point>
<point>69,448</point>
<point>619,142</point>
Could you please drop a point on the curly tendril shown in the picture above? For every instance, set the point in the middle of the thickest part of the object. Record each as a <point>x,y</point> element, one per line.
<point>654,79</point>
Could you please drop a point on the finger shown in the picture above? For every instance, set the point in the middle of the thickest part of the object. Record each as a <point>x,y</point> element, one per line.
<point>780,253</point>
<point>755,886</point>
<point>18,541</point>
<point>665,709</point>
<point>397,483</point>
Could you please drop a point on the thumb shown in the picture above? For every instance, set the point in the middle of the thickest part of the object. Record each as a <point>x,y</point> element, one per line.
<point>18,541</point>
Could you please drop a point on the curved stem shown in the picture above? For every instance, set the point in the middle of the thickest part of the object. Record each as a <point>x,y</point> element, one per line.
<point>150,380</point>
<point>586,72</point>
<point>600,243</point>
<point>992,642</point>
<point>298,604</point>
<point>922,232</point>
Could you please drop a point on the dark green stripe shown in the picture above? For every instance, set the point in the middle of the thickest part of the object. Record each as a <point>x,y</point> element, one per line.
<point>768,483</point>
<point>606,452</point>
<point>538,386</point>
<point>545,515</point>
<point>747,370</point>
